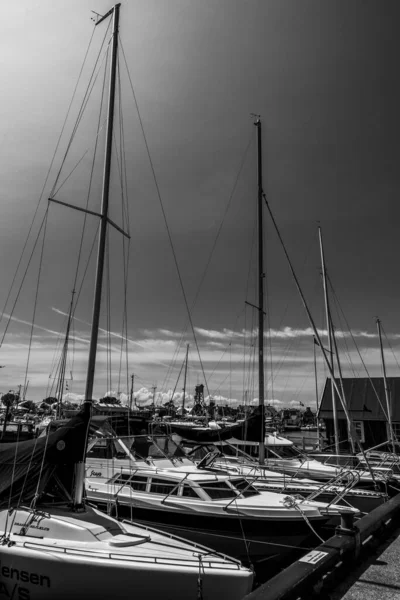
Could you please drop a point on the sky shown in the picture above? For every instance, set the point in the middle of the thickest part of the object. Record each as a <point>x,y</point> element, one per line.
<point>323,77</point>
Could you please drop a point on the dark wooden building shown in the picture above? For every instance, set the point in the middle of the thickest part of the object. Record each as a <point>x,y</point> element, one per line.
<point>366,402</point>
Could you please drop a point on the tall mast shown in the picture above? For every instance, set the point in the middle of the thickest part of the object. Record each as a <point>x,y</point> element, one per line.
<point>388,403</point>
<point>80,467</point>
<point>260,292</point>
<point>330,347</point>
<point>104,212</point>
<point>184,381</point>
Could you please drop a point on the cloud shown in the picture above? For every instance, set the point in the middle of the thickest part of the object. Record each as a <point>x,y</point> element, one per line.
<point>286,333</point>
<point>76,398</point>
<point>271,402</point>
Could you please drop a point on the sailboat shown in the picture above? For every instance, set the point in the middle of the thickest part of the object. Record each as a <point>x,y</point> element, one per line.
<point>69,549</point>
<point>204,505</point>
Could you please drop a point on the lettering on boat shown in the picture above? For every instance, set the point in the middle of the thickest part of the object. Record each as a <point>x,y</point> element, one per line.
<point>10,578</point>
<point>14,591</point>
<point>32,526</point>
<point>95,474</point>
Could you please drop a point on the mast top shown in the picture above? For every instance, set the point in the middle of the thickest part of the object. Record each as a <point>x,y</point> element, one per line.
<point>110,12</point>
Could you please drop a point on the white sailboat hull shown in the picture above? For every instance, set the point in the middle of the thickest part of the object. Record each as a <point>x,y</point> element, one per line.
<point>84,561</point>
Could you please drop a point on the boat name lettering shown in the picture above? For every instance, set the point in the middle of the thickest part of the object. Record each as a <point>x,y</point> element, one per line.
<point>95,473</point>
<point>17,592</point>
<point>23,576</point>
<point>32,526</point>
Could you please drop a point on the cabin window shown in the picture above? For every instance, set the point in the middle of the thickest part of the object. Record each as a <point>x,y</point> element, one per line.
<point>219,490</point>
<point>359,429</point>
<point>189,492</point>
<point>138,483</point>
<point>161,486</point>
<point>121,479</point>
<point>105,449</point>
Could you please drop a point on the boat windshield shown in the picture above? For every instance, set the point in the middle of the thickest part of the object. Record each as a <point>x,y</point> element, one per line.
<point>155,447</point>
<point>218,490</point>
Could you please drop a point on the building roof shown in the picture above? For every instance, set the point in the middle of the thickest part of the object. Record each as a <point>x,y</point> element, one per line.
<point>361,398</point>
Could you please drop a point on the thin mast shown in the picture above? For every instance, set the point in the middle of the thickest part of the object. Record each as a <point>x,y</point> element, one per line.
<point>260,292</point>
<point>329,328</point>
<point>63,366</point>
<point>104,214</point>
<point>184,381</point>
<point>353,448</point>
<point>80,466</point>
<point>317,337</point>
<point>388,403</point>
<point>316,387</point>
<point>131,394</point>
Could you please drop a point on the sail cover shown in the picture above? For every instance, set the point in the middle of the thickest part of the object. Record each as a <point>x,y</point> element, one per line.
<point>27,467</point>
<point>251,429</point>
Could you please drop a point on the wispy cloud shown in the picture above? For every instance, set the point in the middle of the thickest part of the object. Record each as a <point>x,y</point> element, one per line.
<point>157,356</point>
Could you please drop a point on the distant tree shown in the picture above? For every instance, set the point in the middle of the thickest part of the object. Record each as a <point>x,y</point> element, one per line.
<point>109,400</point>
<point>8,400</point>
<point>50,400</point>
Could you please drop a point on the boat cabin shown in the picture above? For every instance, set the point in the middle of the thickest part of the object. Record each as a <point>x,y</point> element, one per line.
<point>193,485</point>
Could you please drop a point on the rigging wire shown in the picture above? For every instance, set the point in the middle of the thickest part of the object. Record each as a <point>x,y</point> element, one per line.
<point>84,224</point>
<point>206,268</point>
<point>47,177</point>
<point>359,354</point>
<point>387,340</point>
<point>81,111</point>
<point>122,171</point>
<point>10,316</point>
<point>36,297</point>
<point>166,224</point>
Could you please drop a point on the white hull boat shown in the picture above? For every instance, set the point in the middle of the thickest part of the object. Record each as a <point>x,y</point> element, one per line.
<point>62,555</point>
<point>61,548</point>
<point>220,510</point>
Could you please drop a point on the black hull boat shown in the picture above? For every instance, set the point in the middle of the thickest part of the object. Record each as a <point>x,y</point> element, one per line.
<point>249,541</point>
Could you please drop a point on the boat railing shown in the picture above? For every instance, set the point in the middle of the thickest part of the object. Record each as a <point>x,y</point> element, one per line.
<point>381,460</point>
<point>380,470</point>
<point>347,480</point>
<point>145,558</point>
